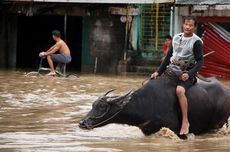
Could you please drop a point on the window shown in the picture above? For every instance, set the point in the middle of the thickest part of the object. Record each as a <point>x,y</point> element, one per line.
<point>154,26</point>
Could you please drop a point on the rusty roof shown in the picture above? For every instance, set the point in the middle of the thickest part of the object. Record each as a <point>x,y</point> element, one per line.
<point>202,2</point>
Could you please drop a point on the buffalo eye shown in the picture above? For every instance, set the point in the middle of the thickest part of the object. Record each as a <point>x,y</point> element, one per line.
<point>102,107</point>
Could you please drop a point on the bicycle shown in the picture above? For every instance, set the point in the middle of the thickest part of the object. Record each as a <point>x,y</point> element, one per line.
<point>60,71</point>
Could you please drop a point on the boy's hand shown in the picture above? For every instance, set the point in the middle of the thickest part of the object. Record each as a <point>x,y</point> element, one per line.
<point>184,76</point>
<point>42,54</point>
<point>154,75</point>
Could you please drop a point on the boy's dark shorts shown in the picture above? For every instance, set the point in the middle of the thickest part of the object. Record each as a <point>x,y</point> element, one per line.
<point>60,58</point>
<point>186,84</point>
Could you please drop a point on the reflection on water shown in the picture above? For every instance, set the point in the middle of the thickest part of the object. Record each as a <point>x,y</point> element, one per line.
<point>42,114</point>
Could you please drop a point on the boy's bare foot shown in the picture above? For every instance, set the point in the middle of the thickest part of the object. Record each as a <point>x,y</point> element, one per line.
<point>50,74</point>
<point>184,128</point>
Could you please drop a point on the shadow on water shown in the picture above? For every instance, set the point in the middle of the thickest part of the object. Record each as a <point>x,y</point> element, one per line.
<point>42,114</point>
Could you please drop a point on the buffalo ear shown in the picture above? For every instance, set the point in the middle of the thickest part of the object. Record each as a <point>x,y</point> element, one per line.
<point>121,101</point>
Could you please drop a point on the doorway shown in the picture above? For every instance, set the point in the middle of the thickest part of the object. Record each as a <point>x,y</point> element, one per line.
<point>35,35</point>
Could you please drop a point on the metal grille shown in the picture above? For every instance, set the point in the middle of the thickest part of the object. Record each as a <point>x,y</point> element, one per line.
<point>155,25</point>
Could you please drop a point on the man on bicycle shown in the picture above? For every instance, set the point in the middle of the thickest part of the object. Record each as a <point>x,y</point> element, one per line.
<point>64,55</point>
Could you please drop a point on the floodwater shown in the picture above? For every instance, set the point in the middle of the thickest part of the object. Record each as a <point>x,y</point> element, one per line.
<point>41,114</point>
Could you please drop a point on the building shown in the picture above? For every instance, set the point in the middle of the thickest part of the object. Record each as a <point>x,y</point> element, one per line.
<point>95,29</point>
<point>103,35</point>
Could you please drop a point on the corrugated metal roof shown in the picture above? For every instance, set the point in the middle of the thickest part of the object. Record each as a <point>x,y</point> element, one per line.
<point>99,1</point>
<point>202,2</point>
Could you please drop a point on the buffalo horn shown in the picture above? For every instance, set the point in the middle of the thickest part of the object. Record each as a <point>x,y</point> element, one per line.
<point>121,97</point>
<point>109,92</point>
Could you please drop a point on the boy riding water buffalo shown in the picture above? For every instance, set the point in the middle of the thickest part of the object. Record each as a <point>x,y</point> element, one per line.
<point>184,59</point>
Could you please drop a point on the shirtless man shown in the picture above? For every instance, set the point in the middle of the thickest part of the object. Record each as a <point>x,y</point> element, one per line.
<point>61,46</point>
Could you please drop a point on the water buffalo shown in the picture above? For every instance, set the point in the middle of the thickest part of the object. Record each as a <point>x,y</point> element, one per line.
<point>155,105</point>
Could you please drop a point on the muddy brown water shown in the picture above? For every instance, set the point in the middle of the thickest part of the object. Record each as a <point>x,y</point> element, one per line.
<point>41,114</point>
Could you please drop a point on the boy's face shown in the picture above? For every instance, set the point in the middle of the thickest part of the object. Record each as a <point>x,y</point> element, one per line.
<point>54,37</point>
<point>189,27</point>
<point>168,41</point>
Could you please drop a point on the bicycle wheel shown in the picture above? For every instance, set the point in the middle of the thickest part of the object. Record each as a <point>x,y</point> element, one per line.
<point>33,74</point>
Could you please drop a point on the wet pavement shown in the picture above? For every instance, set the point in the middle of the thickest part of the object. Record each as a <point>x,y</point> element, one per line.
<point>41,114</point>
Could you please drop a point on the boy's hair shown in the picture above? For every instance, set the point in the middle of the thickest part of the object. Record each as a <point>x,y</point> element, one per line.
<point>168,37</point>
<point>190,18</point>
<point>56,33</point>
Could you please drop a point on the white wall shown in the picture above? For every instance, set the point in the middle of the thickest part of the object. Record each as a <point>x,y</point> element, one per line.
<point>176,22</point>
<point>183,11</point>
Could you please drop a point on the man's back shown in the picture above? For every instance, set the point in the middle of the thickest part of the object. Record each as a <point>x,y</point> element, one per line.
<point>63,48</point>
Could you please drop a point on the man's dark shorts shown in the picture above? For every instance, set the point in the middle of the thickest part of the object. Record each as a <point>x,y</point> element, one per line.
<point>172,72</point>
<point>186,84</point>
<point>60,58</point>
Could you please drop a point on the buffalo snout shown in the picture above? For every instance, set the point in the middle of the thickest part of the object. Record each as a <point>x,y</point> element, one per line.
<point>83,124</point>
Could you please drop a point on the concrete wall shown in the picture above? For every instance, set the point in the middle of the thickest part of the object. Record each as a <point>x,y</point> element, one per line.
<point>184,11</point>
<point>177,27</point>
<point>8,40</point>
<point>106,41</point>
<point>106,36</point>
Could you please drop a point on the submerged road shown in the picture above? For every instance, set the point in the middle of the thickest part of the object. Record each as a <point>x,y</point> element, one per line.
<point>42,114</point>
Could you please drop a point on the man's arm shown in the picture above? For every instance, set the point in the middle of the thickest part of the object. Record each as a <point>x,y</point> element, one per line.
<point>50,49</point>
<point>166,61</point>
<point>53,49</point>
<point>198,55</point>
